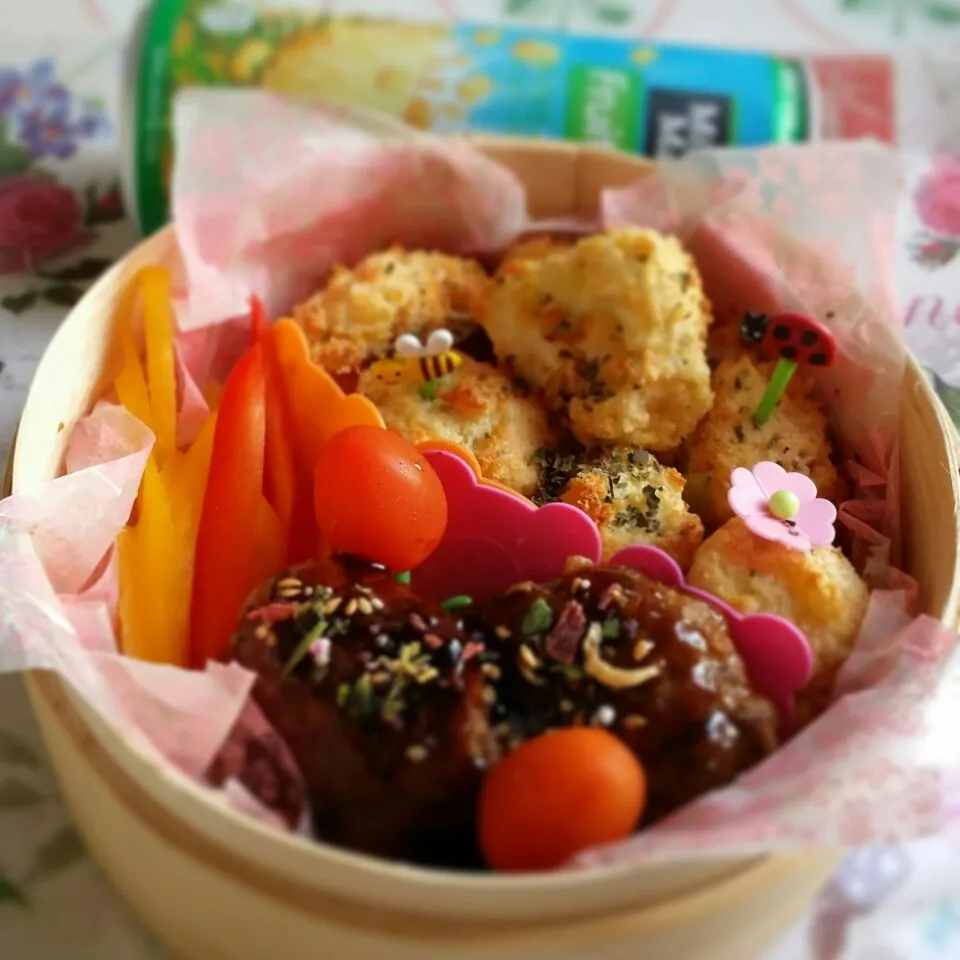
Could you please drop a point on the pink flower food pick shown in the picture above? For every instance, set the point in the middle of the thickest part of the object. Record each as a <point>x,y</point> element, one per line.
<point>782,507</point>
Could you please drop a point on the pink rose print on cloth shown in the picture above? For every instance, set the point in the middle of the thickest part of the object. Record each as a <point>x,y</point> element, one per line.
<point>495,538</point>
<point>775,653</point>
<point>39,219</point>
<point>782,507</point>
<point>937,202</point>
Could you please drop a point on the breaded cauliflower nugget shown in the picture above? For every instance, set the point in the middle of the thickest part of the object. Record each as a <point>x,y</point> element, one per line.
<point>632,499</point>
<point>795,436</point>
<point>819,591</point>
<point>476,406</point>
<point>534,248</point>
<point>611,331</point>
<point>359,314</point>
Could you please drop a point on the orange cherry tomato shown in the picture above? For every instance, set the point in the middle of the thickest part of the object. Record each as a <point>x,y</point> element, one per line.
<point>378,497</point>
<point>556,795</point>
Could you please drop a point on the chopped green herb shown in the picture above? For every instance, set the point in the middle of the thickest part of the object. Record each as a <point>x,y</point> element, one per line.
<point>539,617</point>
<point>428,390</point>
<point>363,699</point>
<point>611,629</point>
<point>315,633</point>
<point>557,467</point>
<point>403,577</point>
<point>343,694</point>
<point>455,603</point>
<point>392,706</point>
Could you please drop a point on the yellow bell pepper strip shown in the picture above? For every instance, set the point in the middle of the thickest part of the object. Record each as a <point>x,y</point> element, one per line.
<point>158,330</point>
<point>316,409</point>
<point>130,384</point>
<point>225,571</point>
<point>149,577</point>
<point>279,477</point>
<point>156,552</point>
<point>157,555</point>
<point>186,479</point>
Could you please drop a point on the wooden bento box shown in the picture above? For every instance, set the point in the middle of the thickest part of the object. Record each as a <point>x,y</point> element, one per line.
<point>215,885</point>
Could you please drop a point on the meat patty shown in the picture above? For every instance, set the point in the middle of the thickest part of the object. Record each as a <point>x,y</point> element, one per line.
<point>609,647</point>
<point>382,703</point>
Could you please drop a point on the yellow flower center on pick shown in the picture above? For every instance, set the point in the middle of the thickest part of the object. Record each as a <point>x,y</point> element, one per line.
<point>784,505</point>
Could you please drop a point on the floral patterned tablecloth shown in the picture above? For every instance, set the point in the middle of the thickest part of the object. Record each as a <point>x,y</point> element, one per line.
<point>62,222</point>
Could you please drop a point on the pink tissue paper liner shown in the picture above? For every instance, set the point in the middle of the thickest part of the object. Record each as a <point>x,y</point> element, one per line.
<point>315,185</point>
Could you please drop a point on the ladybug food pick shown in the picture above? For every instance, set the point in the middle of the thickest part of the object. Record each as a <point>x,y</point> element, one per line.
<point>795,339</point>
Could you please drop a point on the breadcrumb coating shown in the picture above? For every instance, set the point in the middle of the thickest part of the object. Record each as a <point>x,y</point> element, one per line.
<point>818,590</point>
<point>534,248</point>
<point>795,436</point>
<point>612,332</point>
<point>478,407</point>
<point>635,500</point>
<point>359,314</point>
<point>630,495</point>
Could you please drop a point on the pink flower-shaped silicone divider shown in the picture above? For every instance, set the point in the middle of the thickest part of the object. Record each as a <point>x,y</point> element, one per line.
<point>495,537</point>
<point>749,498</point>
<point>775,653</point>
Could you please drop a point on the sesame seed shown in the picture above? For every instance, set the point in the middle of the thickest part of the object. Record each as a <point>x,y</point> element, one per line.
<point>331,606</point>
<point>261,632</point>
<point>289,588</point>
<point>491,671</point>
<point>416,753</point>
<point>633,721</point>
<point>365,606</point>
<point>502,632</point>
<point>528,657</point>
<point>489,696</point>
<point>351,608</point>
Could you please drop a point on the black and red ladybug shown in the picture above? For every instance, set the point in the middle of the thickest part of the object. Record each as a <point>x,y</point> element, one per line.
<point>795,337</point>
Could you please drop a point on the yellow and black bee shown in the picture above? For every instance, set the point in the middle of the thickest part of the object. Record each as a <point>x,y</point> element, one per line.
<point>419,363</point>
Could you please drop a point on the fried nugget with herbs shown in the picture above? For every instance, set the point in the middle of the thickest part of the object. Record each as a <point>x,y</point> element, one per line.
<point>609,647</point>
<point>360,312</point>
<point>612,333</point>
<point>380,698</point>
<point>476,406</point>
<point>796,437</point>
<point>534,248</point>
<point>629,495</point>
<point>818,590</point>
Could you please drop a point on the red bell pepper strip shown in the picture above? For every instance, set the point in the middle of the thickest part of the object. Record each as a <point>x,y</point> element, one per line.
<point>279,477</point>
<point>225,568</point>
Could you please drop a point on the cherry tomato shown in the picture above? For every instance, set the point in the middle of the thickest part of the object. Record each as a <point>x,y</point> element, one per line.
<point>556,795</point>
<point>378,497</point>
